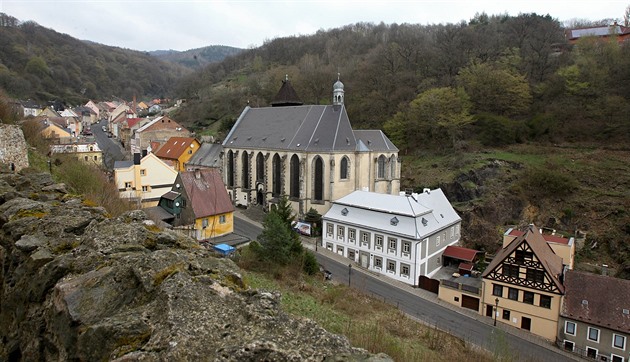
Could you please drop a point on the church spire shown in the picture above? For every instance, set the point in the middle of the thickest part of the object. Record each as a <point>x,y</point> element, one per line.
<point>338,92</point>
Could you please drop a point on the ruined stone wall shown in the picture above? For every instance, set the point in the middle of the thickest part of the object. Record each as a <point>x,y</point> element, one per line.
<point>12,148</point>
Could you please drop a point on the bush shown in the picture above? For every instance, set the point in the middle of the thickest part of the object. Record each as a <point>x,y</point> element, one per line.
<point>544,182</point>
<point>310,266</point>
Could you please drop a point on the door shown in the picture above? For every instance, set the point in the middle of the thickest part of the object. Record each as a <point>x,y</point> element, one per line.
<point>365,260</point>
<point>489,310</point>
<point>526,323</point>
<point>470,302</point>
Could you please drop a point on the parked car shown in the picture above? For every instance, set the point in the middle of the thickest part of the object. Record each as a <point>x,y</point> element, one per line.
<point>104,129</point>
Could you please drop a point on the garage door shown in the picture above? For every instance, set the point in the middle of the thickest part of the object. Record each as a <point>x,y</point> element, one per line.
<point>470,302</point>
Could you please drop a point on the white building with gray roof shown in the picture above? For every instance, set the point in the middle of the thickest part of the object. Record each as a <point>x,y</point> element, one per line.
<point>309,153</point>
<point>400,236</point>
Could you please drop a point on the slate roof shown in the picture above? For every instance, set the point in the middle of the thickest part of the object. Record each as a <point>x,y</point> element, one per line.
<point>310,128</point>
<point>174,147</point>
<point>597,300</point>
<point>208,155</point>
<point>416,218</point>
<point>551,262</point>
<point>206,192</point>
<point>123,164</point>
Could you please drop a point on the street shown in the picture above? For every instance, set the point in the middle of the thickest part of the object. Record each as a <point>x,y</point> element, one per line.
<point>110,147</point>
<point>462,326</point>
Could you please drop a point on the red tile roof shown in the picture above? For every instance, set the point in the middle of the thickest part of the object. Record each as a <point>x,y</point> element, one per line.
<point>174,147</point>
<point>597,300</point>
<point>207,192</point>
<point>458,252</point>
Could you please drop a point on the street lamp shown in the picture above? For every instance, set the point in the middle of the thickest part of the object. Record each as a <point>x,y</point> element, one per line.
<point>496,310</point>
<point>349,273</point>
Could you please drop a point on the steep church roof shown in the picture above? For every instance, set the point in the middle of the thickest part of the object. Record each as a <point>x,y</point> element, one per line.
<point>287,96</point>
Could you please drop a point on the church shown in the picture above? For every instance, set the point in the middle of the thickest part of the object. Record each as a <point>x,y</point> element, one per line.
<point>308,153</point>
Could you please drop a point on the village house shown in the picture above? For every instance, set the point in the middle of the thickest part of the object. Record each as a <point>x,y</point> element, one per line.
<point>523,285</point>
<point>615,31</point>
<point>55,130</point>
<point>198,205</point>
<point>160,129</point>
<point>400,236</point>
<point>177,151</point>
<point>84,151</point>
<point>207,156</point>
<point>144,180</point>
<point>595,316</point>
<point>308,153</point>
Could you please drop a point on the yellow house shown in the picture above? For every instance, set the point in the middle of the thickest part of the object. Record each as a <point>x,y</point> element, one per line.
<point>53,130</point>
<point>522,286</point>
<point>177,151</point>
<point>200,204</point>
<point>143,180</point>
<point>87,152</point>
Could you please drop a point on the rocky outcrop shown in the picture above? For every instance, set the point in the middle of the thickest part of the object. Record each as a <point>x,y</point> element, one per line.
<point>76,284</point>
<point>13,152</point>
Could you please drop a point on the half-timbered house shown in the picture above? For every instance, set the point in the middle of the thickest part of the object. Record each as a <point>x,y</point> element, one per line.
<point>523,285</point>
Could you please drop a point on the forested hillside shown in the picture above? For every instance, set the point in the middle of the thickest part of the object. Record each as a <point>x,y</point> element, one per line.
<point>510,78</point>
<point>197,58</point>
<point>42,64</point>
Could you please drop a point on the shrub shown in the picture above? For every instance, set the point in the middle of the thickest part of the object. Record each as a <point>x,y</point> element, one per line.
<point>544,182</point>
<point>310,266</point>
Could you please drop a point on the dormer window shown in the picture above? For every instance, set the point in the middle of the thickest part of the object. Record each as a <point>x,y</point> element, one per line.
<point>344,212</point>
<point>424,222</point>
<point>394,221</point>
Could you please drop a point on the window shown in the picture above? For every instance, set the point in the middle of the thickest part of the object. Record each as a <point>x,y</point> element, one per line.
<point>329,229</point>
<point>528,297</point>
<point>143,172</point>
<point>510,270</point>
<point>244,170</point>
<point>85,157</point>
<point>95,158</point>
<point>365,237</point>
<point>615,358</point>
<point>452,231</point>
<point>318,179</point>
<point>591,352</point>
<point>294,187</point>
<point>391,266</point>
<point>497,290</point>
<point>145,188</point>
<point>406,247</point>
<point>222,219</point>
<point>351,254</point>
<point>391,243</point>
<point>569,328</point>
<point>276,180</point>
<point>437,240</point>
<point>545,301</point>
<point>127,185</point>
<point>204,223</point>
<point>343,168</point>
<point>329,246</point>
<point>568,346</point>
<point>619,341</point>
<point>340,232</point>
<point>352,234</point>
<point>522,255</point>
<point>260,167</point>
<point>506,314</point>
<point>593,334</point>
<point>379,241</point>
<point>404,270</point>
<point>381,167</point>
<point>378,262</point>
<point>513,293</point>
<point>534,275</point>
<point>183,202</point>
<point>339,250</point>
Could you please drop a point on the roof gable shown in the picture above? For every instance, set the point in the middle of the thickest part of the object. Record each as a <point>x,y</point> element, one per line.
<point>206,192</point>
<point>176,146</point>
<point>542,258</point>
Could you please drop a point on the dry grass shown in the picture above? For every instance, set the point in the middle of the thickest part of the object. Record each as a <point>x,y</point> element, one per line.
<point>367,322</point>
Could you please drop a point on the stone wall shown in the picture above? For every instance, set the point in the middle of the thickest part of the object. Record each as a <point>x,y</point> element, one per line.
<point>12,148</point>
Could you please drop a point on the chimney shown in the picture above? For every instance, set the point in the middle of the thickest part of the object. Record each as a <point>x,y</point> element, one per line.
<point>136,158</point>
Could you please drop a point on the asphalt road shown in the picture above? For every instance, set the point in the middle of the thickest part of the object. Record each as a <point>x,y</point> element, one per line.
<point>468,329</point>
<point>110,147</point>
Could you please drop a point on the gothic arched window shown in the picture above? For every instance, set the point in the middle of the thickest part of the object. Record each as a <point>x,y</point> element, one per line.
<point>245,173</point>
<point>295,177</point>
<point>277,175</point>
<point>230,168</point>
<point>318,179</point>
<point>344,172</point>
<point>381,167</point>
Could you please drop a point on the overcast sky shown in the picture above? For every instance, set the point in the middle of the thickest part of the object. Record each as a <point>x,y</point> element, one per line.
<point>188,24</point>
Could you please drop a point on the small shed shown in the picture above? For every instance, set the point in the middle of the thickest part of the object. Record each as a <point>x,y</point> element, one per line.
<point>224,249</point>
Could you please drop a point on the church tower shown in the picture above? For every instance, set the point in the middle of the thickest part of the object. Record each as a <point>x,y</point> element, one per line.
<point>338,92</point>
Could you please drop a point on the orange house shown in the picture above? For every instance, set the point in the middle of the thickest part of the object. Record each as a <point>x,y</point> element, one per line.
<point>177,151</point>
